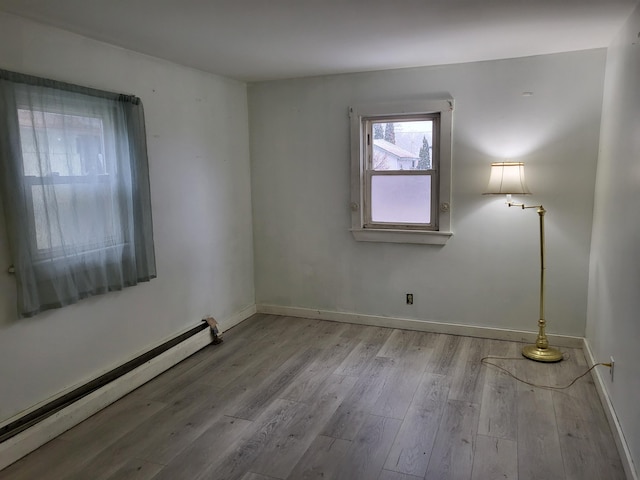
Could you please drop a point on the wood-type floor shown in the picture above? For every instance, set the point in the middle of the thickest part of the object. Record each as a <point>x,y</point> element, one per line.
<point>291,398</point>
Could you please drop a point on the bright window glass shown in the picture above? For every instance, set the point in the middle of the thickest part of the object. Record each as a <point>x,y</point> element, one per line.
<point>401,199</point>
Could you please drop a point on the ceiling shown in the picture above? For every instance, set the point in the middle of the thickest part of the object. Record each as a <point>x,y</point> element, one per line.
<point>253,40</point>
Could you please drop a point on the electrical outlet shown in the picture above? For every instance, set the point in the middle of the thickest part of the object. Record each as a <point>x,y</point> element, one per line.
<point>613,362</point>
<point>409,298</point>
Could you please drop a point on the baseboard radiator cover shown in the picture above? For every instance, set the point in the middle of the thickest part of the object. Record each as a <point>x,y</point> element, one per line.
<point>12,429</point>
<point>25,434</point>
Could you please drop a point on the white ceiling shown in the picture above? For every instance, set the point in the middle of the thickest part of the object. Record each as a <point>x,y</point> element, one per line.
<point>255,40</point>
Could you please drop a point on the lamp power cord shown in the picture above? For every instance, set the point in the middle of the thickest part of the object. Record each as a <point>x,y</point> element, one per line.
<point>485,361</point>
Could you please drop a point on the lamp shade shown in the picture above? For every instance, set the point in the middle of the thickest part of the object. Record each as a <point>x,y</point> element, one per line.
<point>507,178</point>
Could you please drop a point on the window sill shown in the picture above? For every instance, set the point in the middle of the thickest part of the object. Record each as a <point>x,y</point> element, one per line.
<point>400,236</point>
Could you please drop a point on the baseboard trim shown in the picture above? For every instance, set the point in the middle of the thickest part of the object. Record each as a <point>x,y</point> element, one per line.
<point>239,317</point>
<point>37,435</point>
<point>419,325</point>
<point>616,428</point>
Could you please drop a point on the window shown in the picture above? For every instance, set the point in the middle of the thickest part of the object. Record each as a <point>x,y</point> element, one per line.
<point>401,172</point>
<point>78,178</point>
<point>75,187</point>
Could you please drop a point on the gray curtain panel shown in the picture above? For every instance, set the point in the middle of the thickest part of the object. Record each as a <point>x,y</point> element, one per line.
<point>75,189</point>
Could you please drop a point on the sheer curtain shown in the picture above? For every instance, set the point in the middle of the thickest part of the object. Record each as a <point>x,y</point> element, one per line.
<point>75,190</point>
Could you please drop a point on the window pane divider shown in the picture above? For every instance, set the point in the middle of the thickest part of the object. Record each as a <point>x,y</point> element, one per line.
<point>401,172</point>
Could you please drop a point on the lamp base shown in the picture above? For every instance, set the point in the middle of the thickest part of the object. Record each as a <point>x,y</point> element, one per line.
<point>538,354</point>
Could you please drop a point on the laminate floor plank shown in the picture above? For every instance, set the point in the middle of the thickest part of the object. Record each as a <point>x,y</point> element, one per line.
<point>368,451</point>
<point>329,333</point>
<point>396,343</point>
<point>160,437</point>
<point>54,460</point>
<point>412,447</point>
<point>445,351</point>
<point>247,448</point>
<point>276,341</point>
<point>352,330</point>
<point>171,379</point>
<point>257,476</point>
<point>538,441</point>
<point>584,433</point>
<point>304,387</point>
<point>86,441</point>
<point>358,359</point>
<point>409,349</point>
<point>495,458</point>
<point>586,456</point>
<point>137,469</point>
<point>468,380</point>
<point>397,392</point>
<point>320,334</point>
<point>252,406</point>
<point>289,443</point>
<point>419,352</point>
<point>261,326</point>
<point>374,335</point>
<point>353,412</point>
<point>453,452</point>
<point>293,398</point>
<point>253,368</point>
<point>498,410</point>
<point>321,460</point>
<point>111,423</point>
<point>580,401</point>
<point>196,458</point>
<point>389,475</point>
<point>222,364</point>
<point>371,341</point>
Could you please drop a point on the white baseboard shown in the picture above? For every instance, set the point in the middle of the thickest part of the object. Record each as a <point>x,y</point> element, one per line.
<point>30,439</point>
<point>420,325</point>
<point>616,429</point>
<point>239,317</point>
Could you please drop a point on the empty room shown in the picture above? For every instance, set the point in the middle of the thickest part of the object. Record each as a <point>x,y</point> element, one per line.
<point>298,240</point>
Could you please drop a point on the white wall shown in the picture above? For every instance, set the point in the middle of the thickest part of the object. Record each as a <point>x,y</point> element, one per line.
<point>197,129</point>
<point>488,273</point>
<point>613,325</point>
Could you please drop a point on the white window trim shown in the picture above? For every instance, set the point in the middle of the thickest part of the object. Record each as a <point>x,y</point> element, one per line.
<point>358,166</point>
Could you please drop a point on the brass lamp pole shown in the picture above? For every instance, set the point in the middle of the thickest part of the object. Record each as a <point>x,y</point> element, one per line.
<point>507,178</point>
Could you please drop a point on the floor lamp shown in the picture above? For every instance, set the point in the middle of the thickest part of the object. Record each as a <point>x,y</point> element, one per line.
<point>507,178</point>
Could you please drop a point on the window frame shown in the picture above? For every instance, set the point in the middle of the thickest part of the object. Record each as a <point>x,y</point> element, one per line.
<point>108,177</point>
<point>51,278</point>
<point>43,254</point>
<point>370,172</point>
<point>363,229</point>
